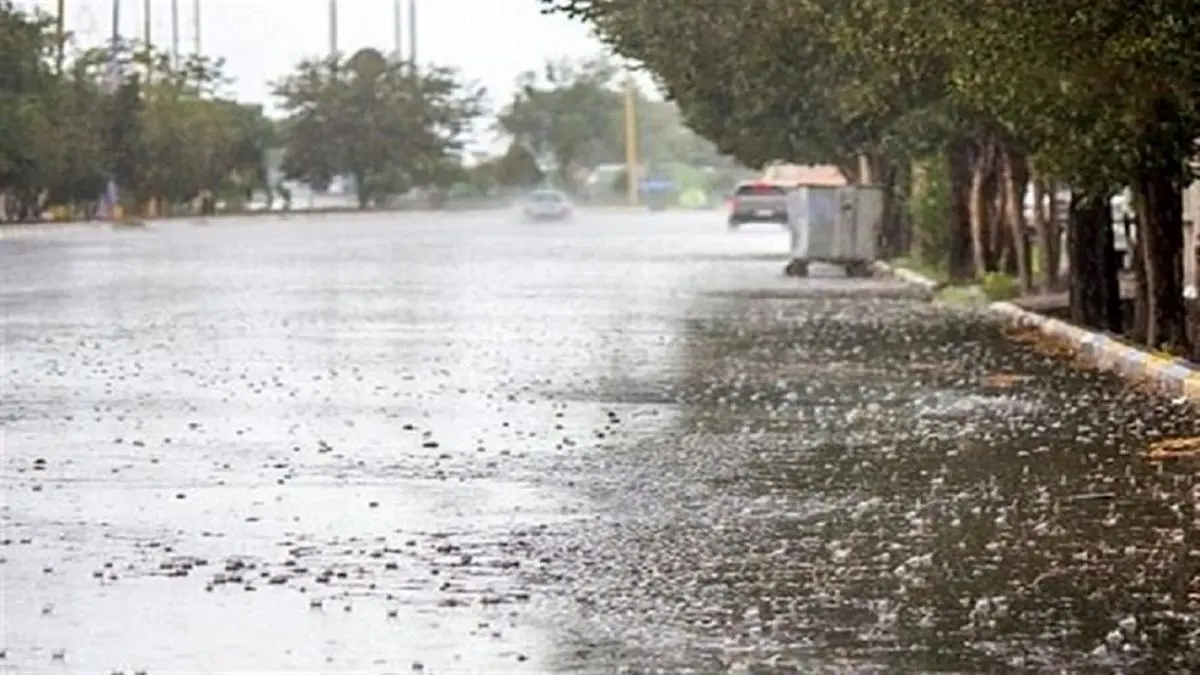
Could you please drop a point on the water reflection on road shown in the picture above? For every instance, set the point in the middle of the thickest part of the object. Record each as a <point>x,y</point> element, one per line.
<point>465,444</point>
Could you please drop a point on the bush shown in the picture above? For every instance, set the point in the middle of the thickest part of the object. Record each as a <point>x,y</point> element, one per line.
<point>928,207</point>
<point>997,286</point>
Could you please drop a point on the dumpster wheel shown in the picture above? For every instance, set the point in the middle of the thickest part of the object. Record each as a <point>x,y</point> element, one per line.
<point>858,269</point>
<point>796,268</point>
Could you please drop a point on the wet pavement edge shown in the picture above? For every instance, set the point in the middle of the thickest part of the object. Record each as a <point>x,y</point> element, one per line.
<point>1175,377</point>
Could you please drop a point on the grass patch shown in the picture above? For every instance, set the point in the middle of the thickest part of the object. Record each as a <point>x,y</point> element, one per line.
<point>999,287</point>
<point>994,286</point>
<point>935,272</point>
<point>969,296</point>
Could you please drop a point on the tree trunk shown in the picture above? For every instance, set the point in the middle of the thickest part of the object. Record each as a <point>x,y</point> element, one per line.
<point>1040,229</point>
<point>959,267</point>
<point>1127,262</point>
<point>362,191</point>
<point>866,170</point>
<point>987,211</point>
<point>1013,178</point>
<point>1194,303</point>
<point>1003,258</point>
<point>903,182</point>
<point>1055,226</point>
<point>918,188</point>
<point>981,250</point>
<point>1141,292</point>
<point>566,177</point>
<point>851,170</point>
<point>1191,248</point>
<point>891,233</point>
<point>998,228</point>
<point>1160,231</point>
<point>29,212</point>
<point>1094,290</point>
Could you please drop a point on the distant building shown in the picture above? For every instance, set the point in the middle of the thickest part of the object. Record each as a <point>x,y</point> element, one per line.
<point>603,177</point>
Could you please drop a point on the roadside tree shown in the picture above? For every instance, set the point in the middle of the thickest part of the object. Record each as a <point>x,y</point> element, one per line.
<point>389,126</point>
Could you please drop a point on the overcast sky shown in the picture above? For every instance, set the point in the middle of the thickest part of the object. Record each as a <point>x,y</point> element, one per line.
<point>491,41</point>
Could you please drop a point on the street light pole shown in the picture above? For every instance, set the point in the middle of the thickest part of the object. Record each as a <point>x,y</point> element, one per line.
<point>116,26</point>
<point>148,39</point>
<point>112,193</point>
<point>631,142</point>
<point>412,32</point>
<point>397,29</point>
<point>196,26</point>
<point>114,47</point>
<point>175,31</point>
<point>333,28</point>
<point>61,34</point>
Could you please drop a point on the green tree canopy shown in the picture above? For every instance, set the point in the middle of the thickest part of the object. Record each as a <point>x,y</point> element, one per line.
<point>387,124</point>
<point>572,114</point>
<point>567,115</point>
<point>1096,95</point>
<point>160,128</point>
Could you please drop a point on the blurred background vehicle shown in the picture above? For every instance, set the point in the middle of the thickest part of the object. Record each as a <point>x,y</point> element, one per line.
<point>758,202</point>
<point>546,205</point>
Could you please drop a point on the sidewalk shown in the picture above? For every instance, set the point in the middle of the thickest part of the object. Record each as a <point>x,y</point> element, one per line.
<point>1174,376</point>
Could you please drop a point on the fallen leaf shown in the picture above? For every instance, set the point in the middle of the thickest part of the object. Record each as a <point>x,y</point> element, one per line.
<point>1003,380</point>
<point>1175,448</point>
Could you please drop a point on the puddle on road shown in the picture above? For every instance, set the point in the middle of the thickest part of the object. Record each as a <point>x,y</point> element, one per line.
<point>351,577</point>
<point>210,483</point>
<point>160,625</point>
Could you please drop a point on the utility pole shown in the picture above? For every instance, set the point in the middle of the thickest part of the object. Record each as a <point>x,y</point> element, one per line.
<point>175,31</point>
<point>112,193</point>
<point>333,28</point>
<point>631,141</point>
<point>412,32</point>
<point>397,29</point>
<point>148,39</point>
<point>60,26</point>
<point>196,26</point>
<point>114,47</point>
<point>116,27</point>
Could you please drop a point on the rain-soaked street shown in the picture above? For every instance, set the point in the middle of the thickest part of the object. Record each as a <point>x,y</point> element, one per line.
<point>463,444</point>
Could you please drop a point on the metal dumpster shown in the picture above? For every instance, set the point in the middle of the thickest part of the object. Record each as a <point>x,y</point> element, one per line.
<point>834,225</point>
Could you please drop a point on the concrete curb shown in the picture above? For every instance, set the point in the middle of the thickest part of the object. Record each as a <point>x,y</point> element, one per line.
<point>907,276</point>
<point>7,231</point>
<point>1173,376</point>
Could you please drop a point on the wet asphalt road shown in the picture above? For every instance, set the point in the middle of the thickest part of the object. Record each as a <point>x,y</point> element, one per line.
<point>462,444</point>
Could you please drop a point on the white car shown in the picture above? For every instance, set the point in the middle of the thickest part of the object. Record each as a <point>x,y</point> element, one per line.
<point>546,205</point>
